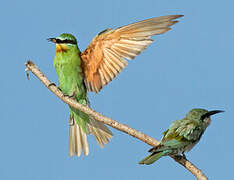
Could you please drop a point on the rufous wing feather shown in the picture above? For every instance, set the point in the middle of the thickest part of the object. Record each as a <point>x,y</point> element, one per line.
<point>105,56</point>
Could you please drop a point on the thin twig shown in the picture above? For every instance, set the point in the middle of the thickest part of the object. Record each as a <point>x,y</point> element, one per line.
<point>30,66</point>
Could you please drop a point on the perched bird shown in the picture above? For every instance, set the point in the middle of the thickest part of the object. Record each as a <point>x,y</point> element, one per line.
<point>80,72</point>
<point>182,135</point>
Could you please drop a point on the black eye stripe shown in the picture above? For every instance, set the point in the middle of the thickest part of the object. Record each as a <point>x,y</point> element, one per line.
<point>204,116</point>
<point>66,41</point>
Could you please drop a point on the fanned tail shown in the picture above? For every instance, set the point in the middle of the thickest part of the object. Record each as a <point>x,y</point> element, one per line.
<point>153,157</point>
<point>78,142</point>
<point>101,133</point>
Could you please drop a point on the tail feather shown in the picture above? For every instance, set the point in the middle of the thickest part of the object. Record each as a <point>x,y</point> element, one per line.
<point>84,141</point>
<point>77,140</point>
<point>101,133</point>
<point>153,157</point>
<point>74,141</point>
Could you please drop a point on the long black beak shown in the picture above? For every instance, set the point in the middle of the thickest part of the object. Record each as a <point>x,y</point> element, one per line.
<point>52,40</point>
<point>210,113</point>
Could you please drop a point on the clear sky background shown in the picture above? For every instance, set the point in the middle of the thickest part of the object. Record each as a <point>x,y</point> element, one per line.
<point>188,67</point>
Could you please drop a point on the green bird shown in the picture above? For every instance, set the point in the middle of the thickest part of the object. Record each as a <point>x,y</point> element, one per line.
<point>90,70</point>
<point>182,135</point>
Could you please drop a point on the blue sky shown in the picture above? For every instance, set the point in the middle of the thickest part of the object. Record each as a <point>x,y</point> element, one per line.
<point>188,67</point>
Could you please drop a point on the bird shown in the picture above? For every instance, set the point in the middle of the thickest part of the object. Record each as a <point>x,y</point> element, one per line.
<point>181,136</point>
<point>89,71</point>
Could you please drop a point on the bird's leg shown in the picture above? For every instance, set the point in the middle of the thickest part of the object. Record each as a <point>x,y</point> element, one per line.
<point>65,95</point>
<point>180,156</point>
<point>183,155</point>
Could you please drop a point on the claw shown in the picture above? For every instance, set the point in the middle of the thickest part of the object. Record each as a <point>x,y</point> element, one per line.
<point>51,84</point>
<point>72,96</point>
<point>65,95</point>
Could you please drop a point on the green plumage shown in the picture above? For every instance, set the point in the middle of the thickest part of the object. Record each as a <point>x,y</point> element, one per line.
<point>71,78</point>
<point>71,81</point>
<point>181,136</point>
<point>152,158</point>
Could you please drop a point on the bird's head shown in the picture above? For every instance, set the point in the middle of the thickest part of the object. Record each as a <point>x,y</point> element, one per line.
<point>202,115</point>
<point>64,42</point>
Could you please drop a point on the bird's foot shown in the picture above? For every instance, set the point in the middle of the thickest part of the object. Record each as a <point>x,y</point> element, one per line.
<point>179,157</point>
<point>183,155</point>
<point>70,96</point>
<point>65,95</point>
<point>51,84</point>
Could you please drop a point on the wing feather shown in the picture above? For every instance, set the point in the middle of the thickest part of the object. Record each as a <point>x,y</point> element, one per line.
<point>105,75</point>
<point>111,67</point>
<point>183,130</point>
<point>105,57</point>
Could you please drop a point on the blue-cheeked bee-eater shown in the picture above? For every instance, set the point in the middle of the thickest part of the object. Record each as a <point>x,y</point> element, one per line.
<point>182,135</point>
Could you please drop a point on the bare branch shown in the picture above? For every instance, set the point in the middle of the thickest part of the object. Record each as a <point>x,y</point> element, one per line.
<point>30,66</point>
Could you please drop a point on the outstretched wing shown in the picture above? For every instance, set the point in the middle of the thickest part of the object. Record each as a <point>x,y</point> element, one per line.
<point>104,57</point>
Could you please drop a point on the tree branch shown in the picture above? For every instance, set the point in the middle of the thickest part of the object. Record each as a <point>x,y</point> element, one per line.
<point>30,66</point>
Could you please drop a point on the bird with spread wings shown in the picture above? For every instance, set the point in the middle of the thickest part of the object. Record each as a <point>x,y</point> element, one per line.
<point>80,72</point>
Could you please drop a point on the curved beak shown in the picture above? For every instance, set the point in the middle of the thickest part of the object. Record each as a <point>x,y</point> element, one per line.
<point>52,40</point>
<point>210,113</point>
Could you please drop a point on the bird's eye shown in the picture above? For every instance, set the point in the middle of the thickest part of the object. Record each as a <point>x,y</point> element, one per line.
<point>204,116</point>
